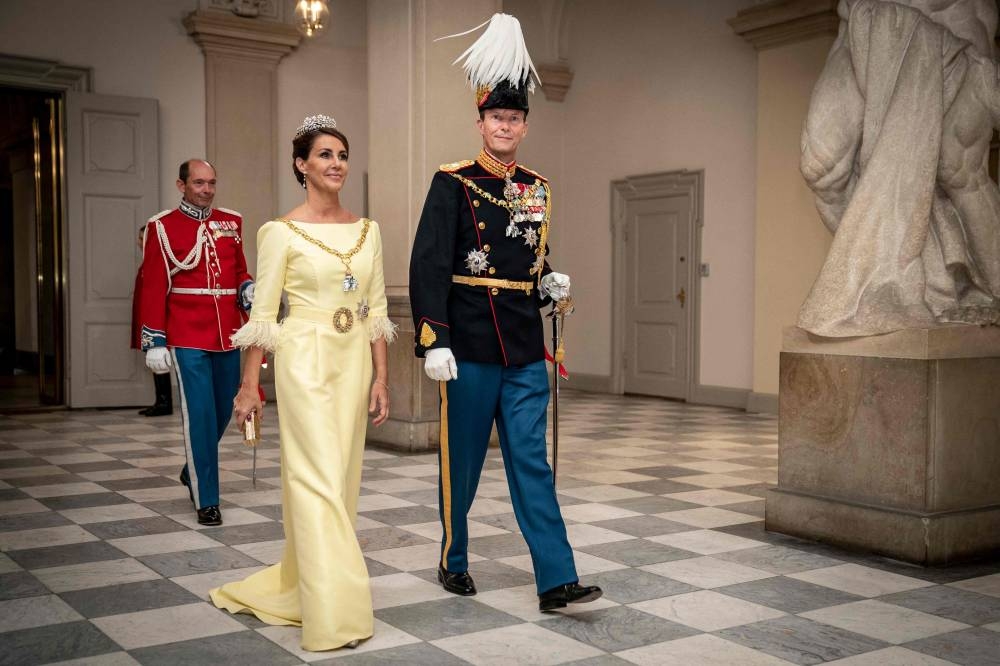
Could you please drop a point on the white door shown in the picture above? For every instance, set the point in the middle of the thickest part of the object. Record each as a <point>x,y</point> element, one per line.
<point>657,286</point>
<point>112,185</point>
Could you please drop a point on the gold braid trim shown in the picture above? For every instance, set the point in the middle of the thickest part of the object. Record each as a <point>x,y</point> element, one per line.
<point>543,235</point>
<point>503,203</point>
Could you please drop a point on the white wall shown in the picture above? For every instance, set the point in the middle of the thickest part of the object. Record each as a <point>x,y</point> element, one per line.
<point>136,49</point>
<point>658,86</point>
<point>327,74</point>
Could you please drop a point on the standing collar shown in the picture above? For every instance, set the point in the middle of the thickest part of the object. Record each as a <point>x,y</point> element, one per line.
<point>495,166</point>
<point>194,212</point>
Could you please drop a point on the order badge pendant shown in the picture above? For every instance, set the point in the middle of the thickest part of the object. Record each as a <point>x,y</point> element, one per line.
<point>350,282</point>
<point>363,309</point>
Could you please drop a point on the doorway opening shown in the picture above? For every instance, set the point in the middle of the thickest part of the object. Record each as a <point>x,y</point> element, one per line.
<point>32,280</point>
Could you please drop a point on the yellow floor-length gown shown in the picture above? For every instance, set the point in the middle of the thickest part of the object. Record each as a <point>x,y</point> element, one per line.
<point>322,379</point>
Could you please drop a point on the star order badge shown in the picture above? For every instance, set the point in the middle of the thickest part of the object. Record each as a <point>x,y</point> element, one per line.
<point>476,261</point>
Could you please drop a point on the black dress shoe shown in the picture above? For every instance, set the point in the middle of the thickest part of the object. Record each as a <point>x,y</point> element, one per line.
<point>456,583</point>
<point>185,481</point>
<point>157,410</point>
<point>210,515</point>
<point>571,593</point>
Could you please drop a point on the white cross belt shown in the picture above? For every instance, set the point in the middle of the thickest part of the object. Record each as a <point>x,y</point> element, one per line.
<point>203,292</point>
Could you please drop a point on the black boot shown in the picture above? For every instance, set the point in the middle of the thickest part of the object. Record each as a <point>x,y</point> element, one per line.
<point>164,405</point>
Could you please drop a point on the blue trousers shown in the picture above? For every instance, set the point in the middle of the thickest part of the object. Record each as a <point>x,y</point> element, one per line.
<point>207,382</point>
<point>516,399</point>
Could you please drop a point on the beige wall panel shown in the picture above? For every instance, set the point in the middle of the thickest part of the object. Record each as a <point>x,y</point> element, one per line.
<point>326,74</point>
<point>137,49</point>
<point>791,242</point>
<point>658,87</point>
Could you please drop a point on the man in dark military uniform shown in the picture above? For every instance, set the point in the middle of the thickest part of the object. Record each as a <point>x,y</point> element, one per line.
<point>478,278</point>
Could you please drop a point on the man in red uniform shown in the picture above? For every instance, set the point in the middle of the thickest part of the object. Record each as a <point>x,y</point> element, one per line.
<point>194,290</point>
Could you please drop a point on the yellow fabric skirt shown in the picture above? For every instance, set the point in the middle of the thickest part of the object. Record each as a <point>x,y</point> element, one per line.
<point>322,379</point>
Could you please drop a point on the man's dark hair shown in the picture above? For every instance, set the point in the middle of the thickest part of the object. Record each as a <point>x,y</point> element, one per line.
<point>185,171</point>
<point>302,145</point>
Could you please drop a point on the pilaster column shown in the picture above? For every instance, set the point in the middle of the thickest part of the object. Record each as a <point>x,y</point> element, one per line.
<point>421,114</point>
<point>241,63</point>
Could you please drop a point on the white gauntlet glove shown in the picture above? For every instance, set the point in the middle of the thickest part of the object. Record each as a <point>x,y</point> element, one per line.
<point>554,285</point>
<point>439,364</point>
<point>158,360</point>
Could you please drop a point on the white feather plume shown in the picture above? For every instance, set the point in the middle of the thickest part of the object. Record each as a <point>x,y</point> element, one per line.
<point>498,55</point>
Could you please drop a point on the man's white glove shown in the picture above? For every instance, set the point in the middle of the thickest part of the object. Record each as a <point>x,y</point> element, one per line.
<point>439,364</point>
<point>554,285</point>
<point>158,360</point>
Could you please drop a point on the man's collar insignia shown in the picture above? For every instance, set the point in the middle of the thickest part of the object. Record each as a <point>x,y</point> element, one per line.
<point>194,212</point>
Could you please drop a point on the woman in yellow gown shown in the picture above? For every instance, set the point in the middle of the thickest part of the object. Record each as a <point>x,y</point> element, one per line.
<point>329,263</point>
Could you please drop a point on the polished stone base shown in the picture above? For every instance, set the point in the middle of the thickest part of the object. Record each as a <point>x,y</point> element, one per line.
<point>891,444</point>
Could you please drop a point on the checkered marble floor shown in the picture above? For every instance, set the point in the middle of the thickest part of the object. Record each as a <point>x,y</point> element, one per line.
<point>103,564</point>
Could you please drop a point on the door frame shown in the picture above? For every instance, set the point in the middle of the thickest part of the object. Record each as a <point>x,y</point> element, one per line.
<point>652,186</point>
<point>53,77</point>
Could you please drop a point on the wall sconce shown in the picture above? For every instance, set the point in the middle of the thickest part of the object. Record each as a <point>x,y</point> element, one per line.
<point>311,16</point>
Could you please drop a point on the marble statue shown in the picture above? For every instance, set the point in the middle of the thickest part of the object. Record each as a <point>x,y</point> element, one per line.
<point>895,146</point>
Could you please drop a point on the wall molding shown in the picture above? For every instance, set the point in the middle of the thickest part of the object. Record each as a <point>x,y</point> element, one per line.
<point>762,403</point>
<point>780,22</point>
<point>39,74</point>
<point>719,396</point>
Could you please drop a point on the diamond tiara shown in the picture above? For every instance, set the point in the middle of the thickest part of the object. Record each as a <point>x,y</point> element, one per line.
<point>313,123</point>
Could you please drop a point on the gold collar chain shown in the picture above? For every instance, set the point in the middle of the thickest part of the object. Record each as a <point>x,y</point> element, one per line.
<point>350,282</point>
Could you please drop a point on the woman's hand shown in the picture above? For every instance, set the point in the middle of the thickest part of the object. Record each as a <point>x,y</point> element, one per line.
<point>378,406</point>
<point>246,401</point>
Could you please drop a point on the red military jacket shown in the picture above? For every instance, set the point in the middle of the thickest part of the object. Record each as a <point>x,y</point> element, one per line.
<point>190,291</point>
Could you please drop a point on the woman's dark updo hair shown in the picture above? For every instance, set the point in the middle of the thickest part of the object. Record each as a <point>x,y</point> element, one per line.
<point>302,145</point>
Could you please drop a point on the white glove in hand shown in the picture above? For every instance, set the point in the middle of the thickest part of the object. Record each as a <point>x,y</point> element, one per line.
<point>248,293</point>
<point>158,360</point>
<point>439,364</point>
<point>555,285</point>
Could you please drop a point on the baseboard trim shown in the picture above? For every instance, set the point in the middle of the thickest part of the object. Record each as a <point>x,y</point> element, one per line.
<point>719,396</point>
<point>762,403</point>
<point>582,381</point>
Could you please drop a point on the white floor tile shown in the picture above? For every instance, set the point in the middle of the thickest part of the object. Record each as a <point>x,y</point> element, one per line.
<point>860,580</point>
<point>706,610</point>
<point>886,622</point>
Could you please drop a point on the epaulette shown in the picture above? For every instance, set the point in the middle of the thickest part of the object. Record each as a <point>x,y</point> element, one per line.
<point>159,215</point>
<point>456,166</point>
<point>533,173</point>
<point>230,211</point>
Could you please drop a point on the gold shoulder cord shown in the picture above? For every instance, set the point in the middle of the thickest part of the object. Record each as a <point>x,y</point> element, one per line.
<point>543,235</point>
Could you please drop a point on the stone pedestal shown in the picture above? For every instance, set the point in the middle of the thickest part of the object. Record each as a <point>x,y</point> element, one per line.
<point>891,444</point>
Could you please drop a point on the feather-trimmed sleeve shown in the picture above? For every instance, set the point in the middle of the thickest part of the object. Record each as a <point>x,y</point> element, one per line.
<point>379,324</point>
<point>262,329</point>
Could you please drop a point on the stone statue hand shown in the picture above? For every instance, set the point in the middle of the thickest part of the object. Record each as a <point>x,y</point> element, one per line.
<point>439,364</point>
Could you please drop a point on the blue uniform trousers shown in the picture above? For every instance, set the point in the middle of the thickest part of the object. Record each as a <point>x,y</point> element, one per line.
<point>207,382</point>
<point>516,398</point>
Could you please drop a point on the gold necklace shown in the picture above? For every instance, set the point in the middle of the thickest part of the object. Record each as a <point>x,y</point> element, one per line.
<point>350,282</point>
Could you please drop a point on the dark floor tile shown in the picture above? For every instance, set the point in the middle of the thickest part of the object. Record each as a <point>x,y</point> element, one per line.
<point>407,515</point>
<point>8,494</point>
<point>488,574</point>
<point>389,537</point>
<point>637,552</point>
<point>244,647</point>
<point>252,533</point>
<point>499,545</point>
<point>47,480</point>
<point>950,602</point>
<point>643,526</point>
<point>788,594</point>
<point>11,463</point>
<point>504,521</point>
<point>139,483</point>
<point>273,512</point>
<point>18,584</point>
<point>420,654</point>
<point>76,553</point>
<point>431,620</point>
<point>376,568</point>
<point>778,559</point>
<point>627,586</point>
<point>54,642</point>
<point>99,466</point>
<point>83,501</point>
<point>174,507</point>
<point>185,563</point>
<point>117,529</point>
<point>617,628</point>
<point>653,504</point>
<point>801,641</point>
<point>971,647</point>
<point>31,521</point>
<point>128,598</point>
